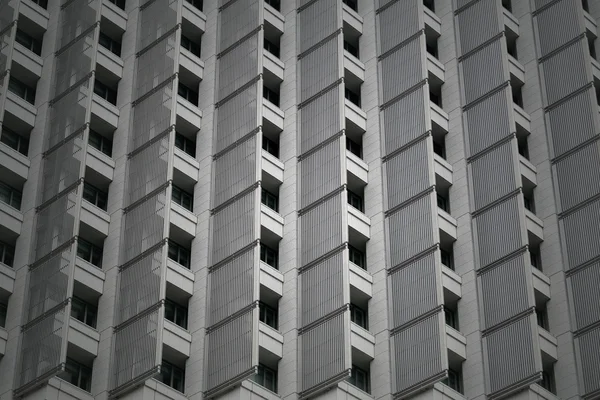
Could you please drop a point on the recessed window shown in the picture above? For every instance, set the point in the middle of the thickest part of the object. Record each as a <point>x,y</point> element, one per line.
<point>352,4</point>
<point>360,378</point>
<point>31,44</point>
<point>585,5</point>
<point>25,92</point>
<point>179,254</point>
<point>548,382</point>
<point>443,203</point>
<point>199,4</point>
<point>176,313</point>
<point>435,98</point>
<point>350,48</point>
<point>592,46</point>
<point>10,196</point>
<point>15,141</point>
<point>517,96</point>
<point>118,3</point>
<point>447,258</point>
<point>112,45</point>
<point>439,148</point>
<point>269,256</point>
<point>352,96</point>
<point>172,376</point>
<point>354,147</point>
<point>432,48</point>
<point>185,144</point>
<point>529,203</point>
<point>190,45</point>
<point>7,254</point>
<point>269,199</point>
<point>93,195</point>
<point>357,257</point>
<point>535,259</point>
<point>41,3</point>
<point>271,47</point>
<point>268,315</point>
<point>100,143</point>
<point>276,4</point>
<point>77,374</point>
<point>84,312</point>
<point>542,317</point>
<point>451,318</point>
<point>3,310</point>
<point>187,93</point>
<point>454,380</point>
<point>89,252</point>
<point>429,4</point>
<point>359,316</point>
<point>523,146</point>
<point>355,201</point>
<point>266,377</point>
<point>270,146</point>
<point>507,4</point>
<point>271,95</point>
<point>183,198</point>
<point>105,92</point>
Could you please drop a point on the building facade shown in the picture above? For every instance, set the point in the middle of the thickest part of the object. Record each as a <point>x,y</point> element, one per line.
<point>325,199</point>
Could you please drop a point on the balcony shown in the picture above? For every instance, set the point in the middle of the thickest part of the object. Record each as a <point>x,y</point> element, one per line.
<point>355,115</point>
<point>357,167</point>
<point>541,286</point>
<point>590,24</point>
<point>187,111</point>
<point>271,279</point>
<point>176,339</point>
<point>273,167</point>
<point>3,340</point>
<point>432,21</point>
<point>271,221</point>
<point>360,280</point>
<point>443,171</point>
<point>35,13</point>
<point>535,227</point>
<point>183,219</point>
<point>274,18</point>
<point>180,277</point>
<point>456,344</point>
<point>528,172</point>
<point>21,109</point>
<point>28,60</point>
<point>436,68</point>
<point>270,342</point>
<point>194,16</point>
<point>14,161</point>
<point>352,19</point>
<point>84,337</point>
<point>273,114</point>
<point>447,224</point>
<point>510,22</point>
<point>517,71</point>
<point>95,218</point>
<point>362,341</point>
<point>186,164</point>
<point>354,67</point>
<point>7,280</point>
<point>11,218</point>
<point>548,345</point>
<point>114,14</point>
<point>110,61</point>
<point>105,111</point>
<point>359,224</point>
<point>439,117</point>
<point>522,119</point>
<point>452,284</point>
<point>191,63</point>
<point>100,162</point>
<point>90,276</point>
<point>273,65</point>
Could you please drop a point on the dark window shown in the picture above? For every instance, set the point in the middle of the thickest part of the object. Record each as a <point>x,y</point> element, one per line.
<point>451,318</point>
<point>507,4</point>
<point>118,3</point>
<point>432,48</point>
<point>443,203</point>
<point>112,45</point>
<point>269,199</point>
<point>276,4</point>
<point>77,374</point>
<point>535,259</point>
<point>352,4</point>
<point>183,198</point>
<point>429,4</point>
<point>591,46</point>
<point>351,49</point>
<point>199,4</point>
<point>269,256</point>
<point>359,316</point>
<point>511,48</point>
<point>190,45</point>
<point>271,47</point>
<point>41,3</point>
<point>547,381</point>
<point>353,147</point>
<point>28,42</point>
<point>523,147</point>
<point>3,309</point>
<point>357,257</point>
<point>517,96</point>
<point>176,313</point>
<point>268,315</point>
<point>439,148</point>
<point>10,196</point>
<point>271,95</point>
<point>355,201</point>
<point>529,203</point>
<point>172,376</point>
<point>22,90</point>
<point>360,378</point>
<point>585,5</point>
<point>270,146</point>
<point>95,196</point>
<point>542,318</point>
<point>89,252</point>
<point>84,312</point>
<point>101,143</point>
<point>435,99</point>
<point>185,144</point>
<point>179,254</point>
<point>353,97</point>
<point>266,377</point>
<point>454,380</point>
<point>15,141</point>
<point>7,254</point>
<point>188,94</point>
<point>447,258</point>
<point>105,92</point>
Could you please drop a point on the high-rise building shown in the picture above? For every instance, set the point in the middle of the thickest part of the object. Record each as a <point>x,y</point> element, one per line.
<point>324,199</point>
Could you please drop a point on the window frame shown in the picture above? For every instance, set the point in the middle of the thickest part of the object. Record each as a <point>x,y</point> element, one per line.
<point>355,200</point>
<point>15,196</point>
<point>269,199</point>
<point>79,370</point>
<point>181,250</point>
<point>353,252</point>
<point>7,249</point>
<point>187,93</point>
<point>94,251</point>
<point>179,311</point>
<point>271,96</point>
<point>28,92</point>
<point>90,312</point>
<point>105,93</point>
<point>270,146</point>
<point>33,45</point>
<point>354,147</point>
<point>167,367</point>
<point>352,379</point>
<point>265,252</point>
<point>178,195</point>
<point>118,3</point>
<point>195,4</point>
<point>185,144</point>
<point>100,197</point>
<point>265,311</point>
<point>3,314</point>
<point>271,47</point>
<point>449,256</point>
<point>22,143</point>
<point>359,314</point>
<point>111,44</point>
<point>261,375</point>
<point>191,46</point>
<point>105,144</point>
<point>454,380</point>
<point>451,318</point>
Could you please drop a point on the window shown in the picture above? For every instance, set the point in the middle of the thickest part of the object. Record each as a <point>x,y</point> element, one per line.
<point>585,5</point>
<point>7,254</point>
<point>517,96</point>
<point>77,374</point>
<point>190,45</point>
<point>547,381</point>
<point>3,310</point>
<point>185,144</point>
<point>188,94</point>
<point>435,99</point>
<point>271,95</point>
<point>352,97</point>
<point>454,380</point>
<point>443,203</point>
<point>432,48</point>
<point>451,318</point>
<point>353,147</point>
<point>440,149</point>
<point>199,4</point>
<point>358,316</point>
<point>41,3</point>
<point>183,198</point>
<point>351,49</point>
<point>507,4</point>
<point>591,46</point>
<point>22,90</point>
<point>523,147</point>
<point>28,42</point>
<point>10,196</point>
<point>529,203</point>
<point>276,4</point>
<point>89,252</point>
<point>179,254</point>
<point>112,45</point>
<point>101,143</point>
<point>535,259</point>
<point>176,314</point>
<point>266,377</point>
<point>511,48</point>
<point>84,312</point>
<point>268,315</point>
<point>95,196</point>
<point>269,199</point>
<point>429,4</point>
<point>172,376</point>
<point>355,201</point>
<point>357,257</point>
<point>269,256</point>
<point>105,92</point>
<point>118,3</point>
<point>352,4</point>
<point>542,318</point>
<point>360,378</point>
<point>271,47</point>
<point>447,258</point>
<point>15,141</point>
<point>270,146</point>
